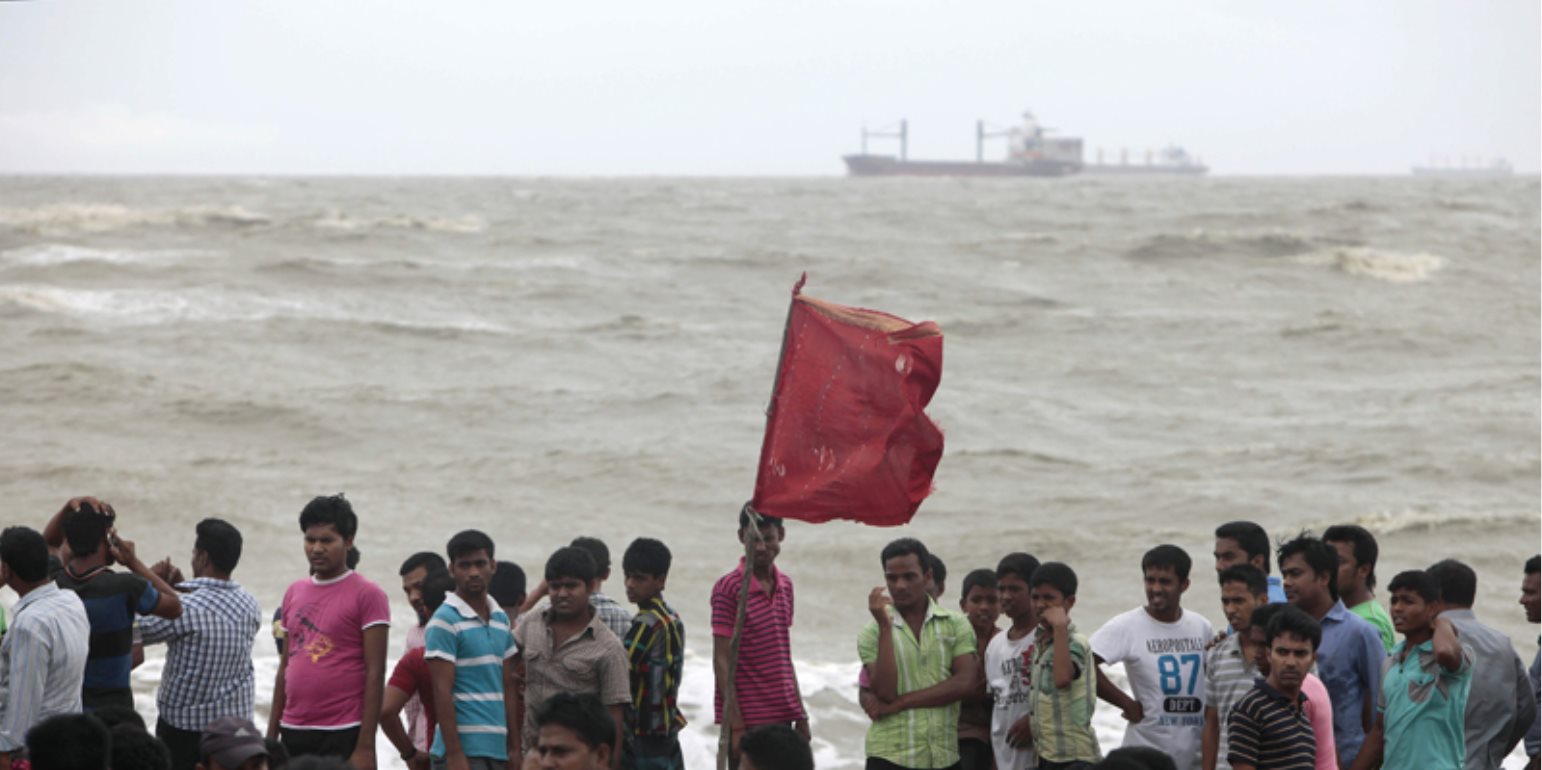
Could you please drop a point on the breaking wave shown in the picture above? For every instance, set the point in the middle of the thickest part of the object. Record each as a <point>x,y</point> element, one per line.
<point>106,217</point>
<point>1390,266</point>
<point>1202,243</point>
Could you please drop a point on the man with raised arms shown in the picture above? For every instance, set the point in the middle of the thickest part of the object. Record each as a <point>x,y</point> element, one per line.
<point>1162,648</point>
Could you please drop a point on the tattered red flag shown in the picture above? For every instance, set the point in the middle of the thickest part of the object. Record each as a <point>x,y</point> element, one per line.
<point>846,437</point>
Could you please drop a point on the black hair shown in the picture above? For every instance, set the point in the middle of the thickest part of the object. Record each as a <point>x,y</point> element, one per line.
<point>1169,556</point>
<point>597,551</point>
<point>334,510</point>
<point>85,529</point>
<point>278,756</point>
<point>351,559</point>
<point>317,762</point>
<point>906,546</point>
<point>1364,542</point>
<point>1294,620</point>
<point>777,747</point>
<point>1249,575</point>
<point>1264,613</point>
<point>221,541</point>
<point>1250,537</point>
<point>433,561</point>
<point>467,542</point>
<point>647,556</point>
<point>436,586</point>
<point>508,584</point>
<point>25,552</point>
<point>1053,573</point>
<point>1534,565</point>
<point>765,520</point>
<point>939,570</point>
<point>1136,758</point>
<point>583,714</point>
<point>113,716</point>
<point>1458,583</point>
<point>571,562</point>
<point>1023,565</point>
<point>979,578</point>
<point>1321,557</point>
<point>1423,583</point>
<point>69,742</point>
<point>135,749</point>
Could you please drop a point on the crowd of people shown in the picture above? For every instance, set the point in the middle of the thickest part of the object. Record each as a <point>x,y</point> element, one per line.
<point>1311,671</point>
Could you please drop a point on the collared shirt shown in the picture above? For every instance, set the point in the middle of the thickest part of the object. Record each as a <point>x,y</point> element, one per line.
<point>1062,719</point>
<point>590,662</point>
<point>765,683</point>
<point>42,661</point>
<point>1422,707</point>
<point>1349,663</point>
<point>655,647</point>
<point>1500,706</point>
<point>208,672</point>
<point>1270,731</point>
<point>1229,677</point>
<point>919,738</point>
<point>478,649</point>
<point>615,617</point>
<point>112,599</point>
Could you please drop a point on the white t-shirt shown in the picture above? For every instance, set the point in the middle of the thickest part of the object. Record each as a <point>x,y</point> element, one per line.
<point>1008,676</point>
<point>1165,664</point>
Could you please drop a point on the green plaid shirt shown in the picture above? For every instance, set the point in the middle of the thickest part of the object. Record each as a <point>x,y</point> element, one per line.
<point>1062,719</point>
<point>919,738</point>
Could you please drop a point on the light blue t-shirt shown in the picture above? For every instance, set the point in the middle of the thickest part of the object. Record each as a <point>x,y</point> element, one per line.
<point>1424,708</point>
<point>478,649</point>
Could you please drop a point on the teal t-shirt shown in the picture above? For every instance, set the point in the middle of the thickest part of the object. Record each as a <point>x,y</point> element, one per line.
<point>1423,708</point>
<point>478,649</point>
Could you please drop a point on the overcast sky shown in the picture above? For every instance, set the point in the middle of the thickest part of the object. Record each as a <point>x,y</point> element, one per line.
<point>723,87</point>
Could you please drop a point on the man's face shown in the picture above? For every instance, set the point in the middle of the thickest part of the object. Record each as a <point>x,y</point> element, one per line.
<point>1013,592</point>
<point>1163,589</point>
<point>412,586</point>
<point>1257,639</point>
<point>559,748</point>
<point>1228,553</point>
<point>907,581</point>
<point>1410,612</point>
<point>1290,657</point>
<point>569,597</point>
<point>982,604</point>
<point>1302,584</point>
<point>1530,597</point>
<point>1350,575</point>
<point>766,548</point>
<point>472,572</point>
<point>642,587</point>
<point>1238,602</point>
<point>326,551</point>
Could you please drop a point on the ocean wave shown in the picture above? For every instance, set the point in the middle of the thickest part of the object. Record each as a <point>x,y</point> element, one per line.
<point>106,217</point>
<point>340,221</point>
<point>1390,266</point>
<point>1420,519</point>
<point>1202,243</point>
<point>54,254</point>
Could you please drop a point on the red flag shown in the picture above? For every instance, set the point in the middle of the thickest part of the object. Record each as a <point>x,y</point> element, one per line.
<point>846,437</point>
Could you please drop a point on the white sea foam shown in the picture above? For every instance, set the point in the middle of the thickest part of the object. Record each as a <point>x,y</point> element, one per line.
<point>104,217</point>
<point>337,220</point>
<point>1391,266</point>
<point>48,254</point>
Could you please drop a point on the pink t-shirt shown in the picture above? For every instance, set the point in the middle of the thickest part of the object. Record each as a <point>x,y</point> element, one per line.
<point>1319,710</point>
<point>324,622</point>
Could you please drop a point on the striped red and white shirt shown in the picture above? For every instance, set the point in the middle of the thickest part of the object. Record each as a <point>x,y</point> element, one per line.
<point>766,687</point>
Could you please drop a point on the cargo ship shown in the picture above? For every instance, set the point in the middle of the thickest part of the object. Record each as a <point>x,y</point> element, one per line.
<point>1030,152</point>
<point>1171,160</point>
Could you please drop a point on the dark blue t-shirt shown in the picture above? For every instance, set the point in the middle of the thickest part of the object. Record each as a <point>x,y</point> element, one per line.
<point>112,600</point>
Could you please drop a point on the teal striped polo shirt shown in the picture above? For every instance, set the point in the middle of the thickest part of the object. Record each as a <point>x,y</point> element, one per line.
<point>478,649</point>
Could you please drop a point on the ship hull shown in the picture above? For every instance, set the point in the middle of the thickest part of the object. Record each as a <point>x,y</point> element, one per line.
<point>885,165</point>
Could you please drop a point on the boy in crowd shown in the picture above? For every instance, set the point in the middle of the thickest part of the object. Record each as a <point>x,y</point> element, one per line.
<point>939,584</point>
<point>414,571</point>
<point>1357,551</point>
<point>470,653</point>
<point>574,732</point>
<point>655,648</point>
<point>1162,648</point>
<point>331,678</point>
<point>43,658</point>
<point>921,660</point>
<point>1229,668</point>
<point>1243,542</point>
<point>981,605</point>
<point>1531,599</point>
<point>775,747</point>
<point>1350,656</point>
<point>567,648</point>
<point>1065,690</point>
<point>1424,695</point>
<point>231,743</point>
<point>410,681</point>
<point>612,614</point>
<point>1318,708</point>
<point>1269,729</point>
<point>765,681</point>
<point>1009,665</point>
<point>208,673</point>
<point>1500,703</point>
<point>508,589</point>
<point>112,599</point>
<point>69,742</point>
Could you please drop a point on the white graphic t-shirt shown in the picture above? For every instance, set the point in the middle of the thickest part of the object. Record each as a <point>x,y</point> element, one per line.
<point>1165,664</point>
<point>1008,673</point>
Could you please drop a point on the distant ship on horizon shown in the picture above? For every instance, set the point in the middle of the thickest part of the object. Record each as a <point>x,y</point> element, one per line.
<point>1499,167</point>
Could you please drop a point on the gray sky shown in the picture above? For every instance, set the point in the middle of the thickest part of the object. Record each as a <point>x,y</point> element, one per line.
<point>753,88</point>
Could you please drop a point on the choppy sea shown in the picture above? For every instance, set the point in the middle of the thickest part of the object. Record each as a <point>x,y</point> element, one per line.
<point>1128,362</point>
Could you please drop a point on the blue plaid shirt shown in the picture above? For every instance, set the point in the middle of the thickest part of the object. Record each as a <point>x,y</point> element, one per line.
<point>208,671</point>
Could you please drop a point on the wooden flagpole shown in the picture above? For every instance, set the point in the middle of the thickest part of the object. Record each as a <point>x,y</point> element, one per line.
<point>725,735</point>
